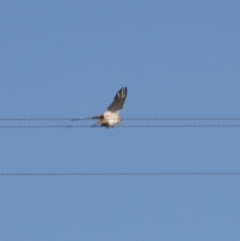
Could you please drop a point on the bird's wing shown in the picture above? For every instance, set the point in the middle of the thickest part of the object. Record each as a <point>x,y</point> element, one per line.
<point>118,101</point>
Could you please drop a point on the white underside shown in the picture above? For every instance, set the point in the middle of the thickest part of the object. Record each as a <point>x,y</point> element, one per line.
<point>112,122</point>
<point>111,118</point>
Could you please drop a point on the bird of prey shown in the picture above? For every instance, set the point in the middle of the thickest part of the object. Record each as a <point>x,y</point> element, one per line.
<point>111,116</point>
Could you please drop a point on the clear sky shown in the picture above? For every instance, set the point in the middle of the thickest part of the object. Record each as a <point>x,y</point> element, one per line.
<point>68,59</point>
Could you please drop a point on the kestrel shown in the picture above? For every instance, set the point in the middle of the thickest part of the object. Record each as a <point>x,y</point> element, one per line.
<point>111,115</point>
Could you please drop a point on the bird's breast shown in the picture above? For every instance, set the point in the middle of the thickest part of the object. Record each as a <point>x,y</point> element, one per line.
<point>111,119</point>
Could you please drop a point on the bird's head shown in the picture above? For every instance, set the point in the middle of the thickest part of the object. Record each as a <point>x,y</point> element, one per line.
<point>120,120</point>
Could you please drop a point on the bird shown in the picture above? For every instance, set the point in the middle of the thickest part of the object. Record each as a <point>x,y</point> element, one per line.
<point>111,116</point>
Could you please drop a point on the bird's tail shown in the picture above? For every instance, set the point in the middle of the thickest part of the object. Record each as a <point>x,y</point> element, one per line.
<point>94,125</point>
<point>97,117</point>
<point>88,118</point>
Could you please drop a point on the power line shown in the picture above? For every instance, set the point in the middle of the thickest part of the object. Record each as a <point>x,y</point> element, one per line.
<point>45,119</point>
<point>21,174</point>
<point>120,126</point>
<point>130,119</point>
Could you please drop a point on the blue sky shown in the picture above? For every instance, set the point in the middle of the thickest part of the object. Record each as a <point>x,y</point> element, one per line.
<point>68,59</point>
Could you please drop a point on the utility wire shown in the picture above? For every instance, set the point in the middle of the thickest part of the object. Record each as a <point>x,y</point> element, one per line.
<point>130,119</point>
<point>45,119</point>
<point>120,126</point>
<point>20,174</point>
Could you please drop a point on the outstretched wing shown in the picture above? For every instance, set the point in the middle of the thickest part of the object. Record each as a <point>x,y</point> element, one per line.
<point>118,101</point>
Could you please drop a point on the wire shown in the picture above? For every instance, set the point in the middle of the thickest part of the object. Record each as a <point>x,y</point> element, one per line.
<point>174,119</point>
<point>120,126</point>
<point>44,119</point>
<point>130,119</point>
<point>19,174</point>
